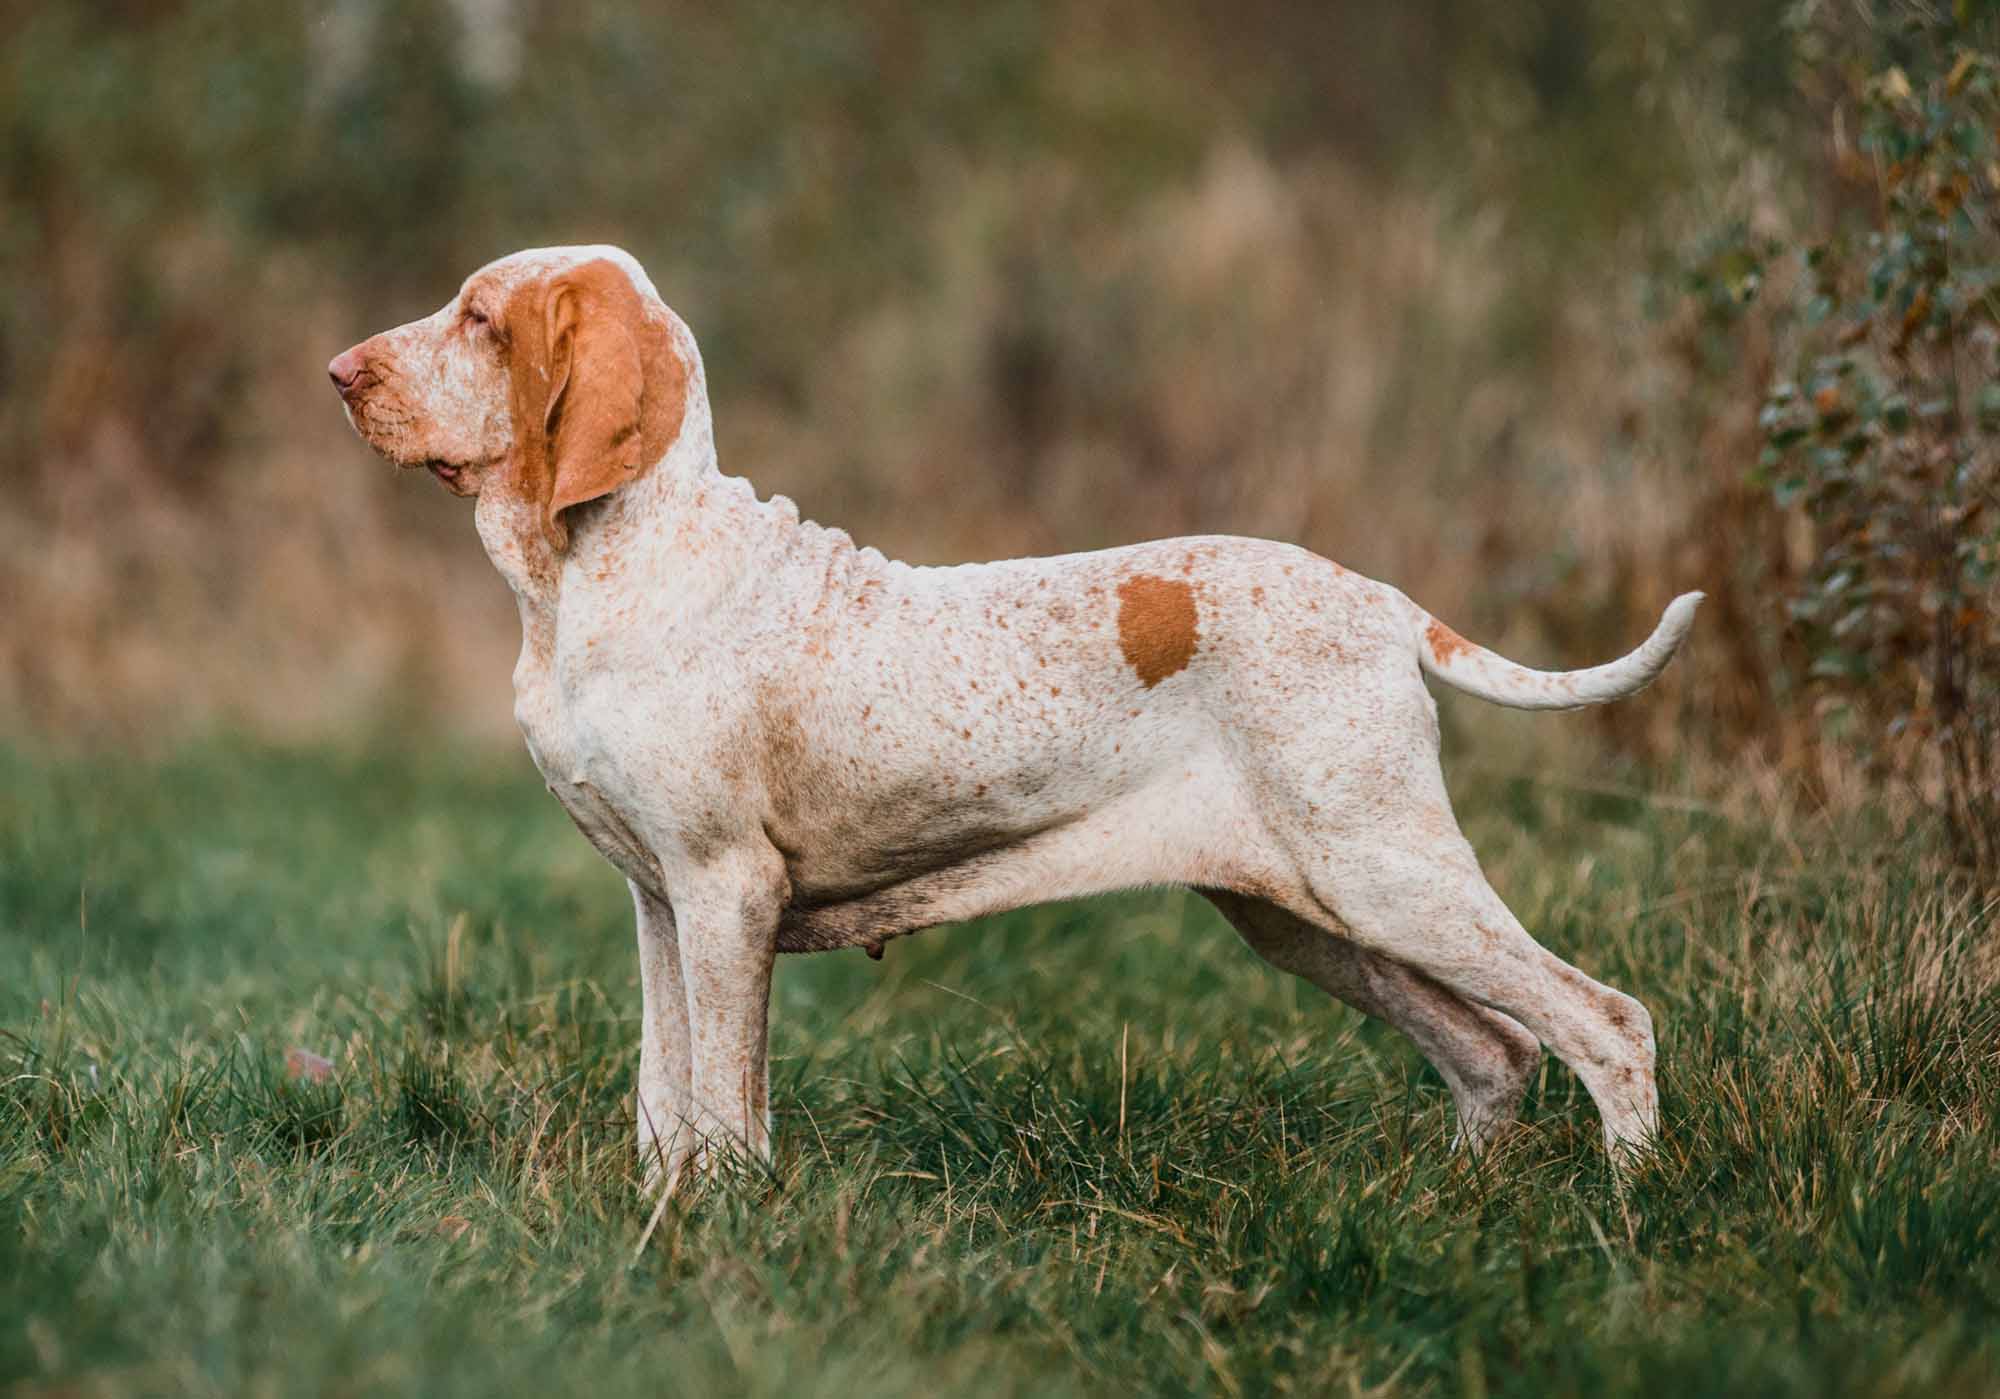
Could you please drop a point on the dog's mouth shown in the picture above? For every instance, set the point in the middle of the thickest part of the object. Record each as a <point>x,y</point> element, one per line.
<point>461,478</point>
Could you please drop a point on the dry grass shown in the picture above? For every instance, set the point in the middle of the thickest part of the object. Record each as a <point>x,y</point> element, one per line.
<point>1281,351</point>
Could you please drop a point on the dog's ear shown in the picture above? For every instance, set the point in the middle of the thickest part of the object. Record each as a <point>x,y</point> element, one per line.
<point>598,390</point>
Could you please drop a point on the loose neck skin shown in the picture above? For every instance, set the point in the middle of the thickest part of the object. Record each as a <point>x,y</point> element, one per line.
<point>681,529</point>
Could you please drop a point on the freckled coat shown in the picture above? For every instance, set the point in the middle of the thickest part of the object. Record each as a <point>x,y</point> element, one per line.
<point>789,743</point>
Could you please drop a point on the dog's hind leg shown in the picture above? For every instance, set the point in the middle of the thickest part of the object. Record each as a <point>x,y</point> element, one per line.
<point>1422,901</point>
<point>1485,1058</point>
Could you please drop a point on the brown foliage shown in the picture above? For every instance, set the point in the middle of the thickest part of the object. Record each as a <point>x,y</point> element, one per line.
<point>1194,290</point>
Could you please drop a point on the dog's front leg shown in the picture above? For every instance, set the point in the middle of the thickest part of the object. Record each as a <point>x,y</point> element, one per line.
<point>728,920</point>
<point>665,1133</point>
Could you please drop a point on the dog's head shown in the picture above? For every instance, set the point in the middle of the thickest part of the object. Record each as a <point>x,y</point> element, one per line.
<point>553,375</point>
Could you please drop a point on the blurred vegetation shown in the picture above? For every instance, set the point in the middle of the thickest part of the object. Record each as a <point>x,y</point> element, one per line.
<point>1866,330</point>
<point>1019,276</point>
<point>1457,293</point>
<point>776,150</point>
<point>1882,425</point>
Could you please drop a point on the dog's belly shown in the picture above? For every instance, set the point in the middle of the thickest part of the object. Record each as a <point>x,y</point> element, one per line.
<point>873,918</point>
<point>874,865</point>
<point>1191,826</point>
<point>981,879</point>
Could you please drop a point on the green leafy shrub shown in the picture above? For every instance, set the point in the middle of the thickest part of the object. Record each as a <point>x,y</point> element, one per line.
<point>1885,429</point>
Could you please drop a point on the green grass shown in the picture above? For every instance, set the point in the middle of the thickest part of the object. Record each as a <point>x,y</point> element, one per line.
<point>1086,1149</point>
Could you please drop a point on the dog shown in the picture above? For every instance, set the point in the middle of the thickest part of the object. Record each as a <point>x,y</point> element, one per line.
<point>788,743</point>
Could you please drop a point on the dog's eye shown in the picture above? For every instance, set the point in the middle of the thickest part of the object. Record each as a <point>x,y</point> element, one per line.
<point>475,321</point>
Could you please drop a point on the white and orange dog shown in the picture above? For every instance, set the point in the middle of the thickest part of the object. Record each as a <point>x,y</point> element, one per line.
<point>786,743</point>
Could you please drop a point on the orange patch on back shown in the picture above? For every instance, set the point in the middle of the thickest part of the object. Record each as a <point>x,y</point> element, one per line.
<point>1445,643</point>
<point>1156,626</point>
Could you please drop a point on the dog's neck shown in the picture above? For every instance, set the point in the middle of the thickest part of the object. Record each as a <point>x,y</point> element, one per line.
<point>680,531</point>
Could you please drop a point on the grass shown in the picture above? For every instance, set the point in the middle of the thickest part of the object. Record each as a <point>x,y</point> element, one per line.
<point>1082,1149</point>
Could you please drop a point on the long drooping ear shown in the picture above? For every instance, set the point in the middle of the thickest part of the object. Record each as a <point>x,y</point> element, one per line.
<point>600,397</point>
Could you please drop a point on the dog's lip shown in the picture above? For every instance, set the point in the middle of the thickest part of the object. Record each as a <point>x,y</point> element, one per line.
<point>447,472</point>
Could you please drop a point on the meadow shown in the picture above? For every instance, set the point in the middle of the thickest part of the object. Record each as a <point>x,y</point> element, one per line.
<point>1485,298</point>
<point>1092,1148</point>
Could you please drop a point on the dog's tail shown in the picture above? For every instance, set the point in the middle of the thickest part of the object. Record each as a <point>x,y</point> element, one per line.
<point>1462,665</point>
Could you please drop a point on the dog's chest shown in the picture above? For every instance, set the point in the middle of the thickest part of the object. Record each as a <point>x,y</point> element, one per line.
<point>567,753</point>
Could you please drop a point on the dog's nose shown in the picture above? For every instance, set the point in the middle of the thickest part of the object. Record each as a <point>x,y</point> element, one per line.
<point>345,370</point>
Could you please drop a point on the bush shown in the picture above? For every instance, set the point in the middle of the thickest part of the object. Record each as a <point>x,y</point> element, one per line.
<point>1882,428</point>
